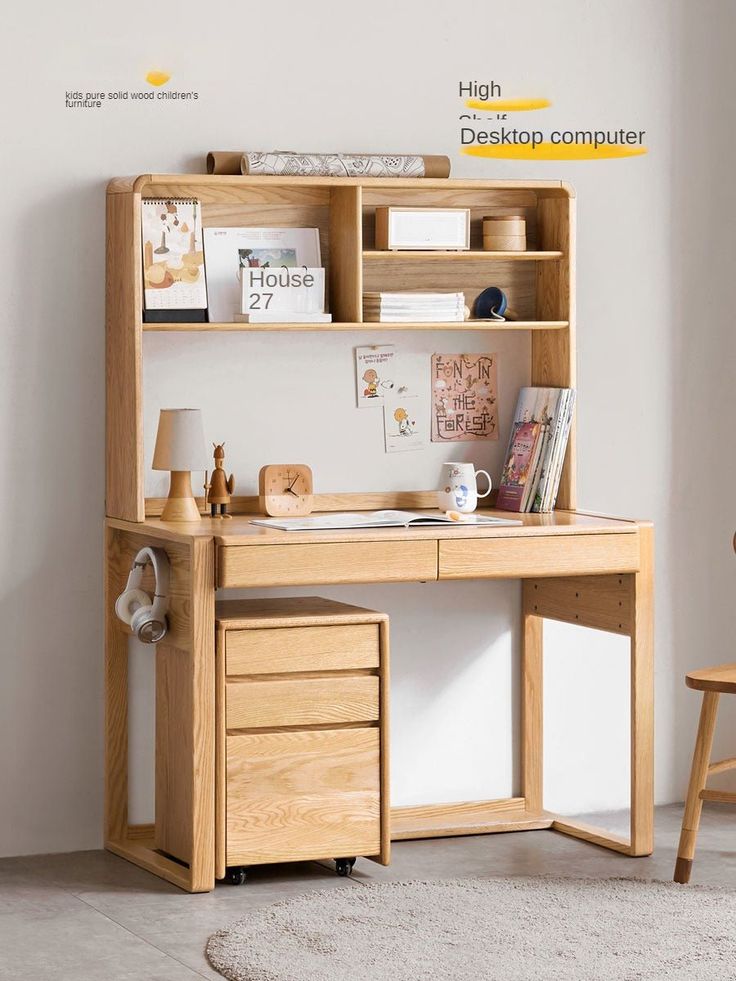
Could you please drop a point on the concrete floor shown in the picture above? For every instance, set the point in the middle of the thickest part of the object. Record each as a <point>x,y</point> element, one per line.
<point>89,916</point>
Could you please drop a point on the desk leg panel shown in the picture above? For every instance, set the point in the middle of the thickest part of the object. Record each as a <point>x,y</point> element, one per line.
<point>185,725</point>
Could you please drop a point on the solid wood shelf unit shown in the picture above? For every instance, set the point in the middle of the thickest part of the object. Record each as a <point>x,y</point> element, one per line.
<point>539,283</point>
<point>575,567</point>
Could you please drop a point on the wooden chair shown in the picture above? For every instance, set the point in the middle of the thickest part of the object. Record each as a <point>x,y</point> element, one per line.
<point>711,681</point>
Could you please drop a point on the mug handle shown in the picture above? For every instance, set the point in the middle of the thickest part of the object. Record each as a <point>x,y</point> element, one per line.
<point>488,478</point>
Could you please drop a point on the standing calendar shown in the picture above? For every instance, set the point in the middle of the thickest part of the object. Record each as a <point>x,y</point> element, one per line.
<point>174,285</point>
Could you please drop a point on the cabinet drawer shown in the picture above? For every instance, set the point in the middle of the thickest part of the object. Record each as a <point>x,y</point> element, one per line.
<point>276,650</point>
<point>336,562</point>
<point>302,795</point>
<point>301,702</point>
<point>555,555</point>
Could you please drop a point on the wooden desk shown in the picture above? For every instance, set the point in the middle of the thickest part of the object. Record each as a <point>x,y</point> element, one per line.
<point>579,568</point>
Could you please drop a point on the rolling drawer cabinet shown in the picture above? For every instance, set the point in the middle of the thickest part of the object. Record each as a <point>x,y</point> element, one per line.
<point>301,719</point>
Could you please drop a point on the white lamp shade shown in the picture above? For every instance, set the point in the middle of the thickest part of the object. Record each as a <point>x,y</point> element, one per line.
<point>180,441</point>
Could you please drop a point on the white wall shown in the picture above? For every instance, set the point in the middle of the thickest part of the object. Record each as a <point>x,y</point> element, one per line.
<point>656,356</point>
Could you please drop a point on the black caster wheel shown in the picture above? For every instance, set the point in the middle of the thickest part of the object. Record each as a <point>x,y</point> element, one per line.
<point>235,875</point>
<point>344,866</point>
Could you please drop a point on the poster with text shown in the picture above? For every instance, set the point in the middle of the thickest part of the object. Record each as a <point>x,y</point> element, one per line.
<point>464,397</point>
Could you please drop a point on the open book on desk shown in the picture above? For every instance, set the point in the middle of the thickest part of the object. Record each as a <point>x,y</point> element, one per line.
<point>340,521</point>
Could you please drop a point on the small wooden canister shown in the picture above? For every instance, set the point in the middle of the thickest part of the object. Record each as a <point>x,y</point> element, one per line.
<point>504,233</point>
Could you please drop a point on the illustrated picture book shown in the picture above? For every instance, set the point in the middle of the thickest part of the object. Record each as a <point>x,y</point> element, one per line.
<point>380,519</point>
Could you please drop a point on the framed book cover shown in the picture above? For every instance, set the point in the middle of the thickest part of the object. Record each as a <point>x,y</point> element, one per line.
<point>228,250</point>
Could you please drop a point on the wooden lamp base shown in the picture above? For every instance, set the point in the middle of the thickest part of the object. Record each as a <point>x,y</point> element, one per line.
<point>180,504</point>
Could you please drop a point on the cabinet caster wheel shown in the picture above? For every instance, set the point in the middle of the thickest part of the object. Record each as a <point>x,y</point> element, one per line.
<point>235,875</point>
<point>344,866</point>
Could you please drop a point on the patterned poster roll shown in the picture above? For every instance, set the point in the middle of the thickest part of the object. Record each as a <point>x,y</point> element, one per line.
<point>288,164</point>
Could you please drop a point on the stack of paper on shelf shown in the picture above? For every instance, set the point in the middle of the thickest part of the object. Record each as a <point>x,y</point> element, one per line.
<point>414,307</point>
<point>536,452</point>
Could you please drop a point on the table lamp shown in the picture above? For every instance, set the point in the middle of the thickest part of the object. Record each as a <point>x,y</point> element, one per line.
<point>180,449</point>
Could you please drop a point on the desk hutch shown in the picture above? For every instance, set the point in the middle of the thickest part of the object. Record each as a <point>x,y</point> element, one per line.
<point>575,567</point>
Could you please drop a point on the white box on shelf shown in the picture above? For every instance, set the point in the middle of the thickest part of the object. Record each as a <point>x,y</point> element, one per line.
<point>422,228</point>
<point>275,289</point>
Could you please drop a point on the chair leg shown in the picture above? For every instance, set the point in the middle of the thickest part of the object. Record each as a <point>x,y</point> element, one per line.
<point>698,777</point>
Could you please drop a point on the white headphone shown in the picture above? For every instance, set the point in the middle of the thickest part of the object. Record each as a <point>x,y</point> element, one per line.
<point>146,619</point>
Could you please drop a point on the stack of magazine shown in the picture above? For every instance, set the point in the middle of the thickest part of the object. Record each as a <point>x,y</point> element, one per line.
<point>536,452</point>
<point>414,307</point>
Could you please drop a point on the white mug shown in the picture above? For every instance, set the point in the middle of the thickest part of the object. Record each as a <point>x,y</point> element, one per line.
<point>458,489</point>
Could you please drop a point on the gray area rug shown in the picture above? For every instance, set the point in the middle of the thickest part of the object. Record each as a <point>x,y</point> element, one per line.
<point>510,929</point>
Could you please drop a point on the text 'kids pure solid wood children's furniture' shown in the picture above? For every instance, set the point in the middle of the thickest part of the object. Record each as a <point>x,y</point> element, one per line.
<point>268,750</point>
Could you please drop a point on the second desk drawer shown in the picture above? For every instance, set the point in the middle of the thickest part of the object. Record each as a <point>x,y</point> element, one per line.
<point>301,701</point>
<point>275,650</point>
<point>331,562</point>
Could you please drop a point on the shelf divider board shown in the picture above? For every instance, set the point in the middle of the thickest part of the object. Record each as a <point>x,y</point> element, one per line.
<point>553,353</point>
<point>346,270</point>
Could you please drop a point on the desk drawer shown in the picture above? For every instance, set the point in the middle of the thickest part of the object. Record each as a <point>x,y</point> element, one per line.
<point>301,701</point>
<point>303,795</point>
<point>533,556</point>
<point>276,650</point>
<point>332,562</point>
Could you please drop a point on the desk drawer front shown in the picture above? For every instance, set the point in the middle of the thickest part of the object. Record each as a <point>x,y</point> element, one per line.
<point>302,795</point>
<point>553,555</point>
<point>302,701</point>
<point>284,649</point>
<point>336,562</point>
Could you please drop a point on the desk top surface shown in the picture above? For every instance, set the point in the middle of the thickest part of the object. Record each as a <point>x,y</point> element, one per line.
<point>238,530</point>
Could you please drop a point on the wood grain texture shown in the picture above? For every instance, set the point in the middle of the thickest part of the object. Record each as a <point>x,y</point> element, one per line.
<point>203,715</point>
<point>642,699</point>
<point>303,565</point>
<point>553,353</point>
<point>600,602</point>
<point>698,777</point>
<point>241,531</point>
<point>116,694</point>
<point>532,707</point>
<point>317,648</point>
<point>303,795</point>
<point>174,752</point>
<point>466,818</point>
<point>346,271</point>
<point>291,611</point>
<point>329,700</point>
<point>593,835</point>
<point>141,852</point>
<point>721,678</point>
<point>718,796</point>
<point>220,757</point>
<point>384,855</point>
<point>337,326</point>
<point>124,408</point>
<point>515,558</point>
<point>721,766</point>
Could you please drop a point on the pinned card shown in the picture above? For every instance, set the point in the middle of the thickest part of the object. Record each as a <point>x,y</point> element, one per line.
<point>406,422</point>
<point>374,374</point>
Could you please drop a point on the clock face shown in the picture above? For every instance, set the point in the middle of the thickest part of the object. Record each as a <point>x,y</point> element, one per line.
<point>286,489</point>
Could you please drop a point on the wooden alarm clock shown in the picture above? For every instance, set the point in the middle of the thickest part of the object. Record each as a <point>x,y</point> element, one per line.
<point>285,489</point>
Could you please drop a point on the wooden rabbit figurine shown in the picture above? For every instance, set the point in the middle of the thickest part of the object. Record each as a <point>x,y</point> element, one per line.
<point>219,487</point>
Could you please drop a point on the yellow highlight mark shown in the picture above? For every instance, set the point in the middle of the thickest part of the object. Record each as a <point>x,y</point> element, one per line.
<point>555,151</point>
<point>508,105</point>
<point>157,78</point>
